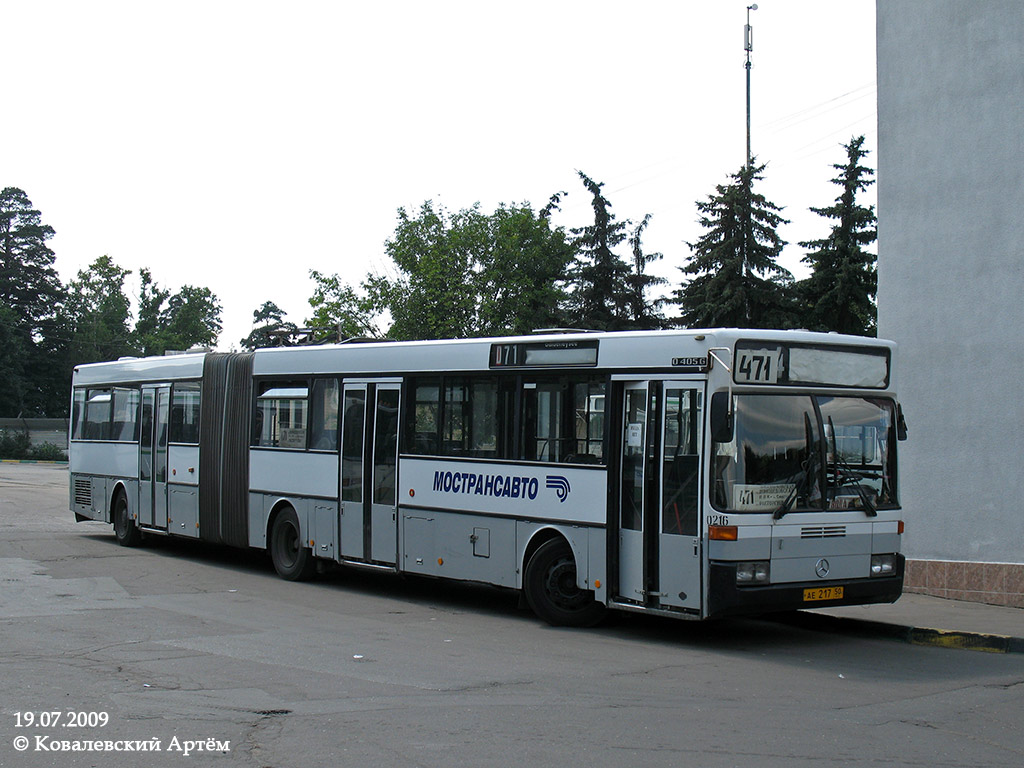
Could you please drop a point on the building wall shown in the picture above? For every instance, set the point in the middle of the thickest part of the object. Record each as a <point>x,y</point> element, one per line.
<point>951,276</point>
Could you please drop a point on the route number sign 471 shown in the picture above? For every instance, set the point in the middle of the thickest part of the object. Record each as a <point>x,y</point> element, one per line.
<point>758,366</point>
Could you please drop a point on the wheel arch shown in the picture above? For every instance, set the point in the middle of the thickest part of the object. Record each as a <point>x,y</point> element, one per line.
<point>279,506</point>
<point>546,533</point>
<point>120,487</point>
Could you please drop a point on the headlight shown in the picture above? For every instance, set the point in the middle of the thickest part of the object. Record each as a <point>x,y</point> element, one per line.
<point>883,565</point>
<point>752,573</point>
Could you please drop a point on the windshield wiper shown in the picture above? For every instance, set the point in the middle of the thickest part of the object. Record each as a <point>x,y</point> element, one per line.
<point>848,471</point>
<point>810,467</point>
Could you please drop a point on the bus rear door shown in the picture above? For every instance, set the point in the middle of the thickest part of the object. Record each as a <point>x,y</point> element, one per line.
<point>153,457</point>
<point>369,466</point>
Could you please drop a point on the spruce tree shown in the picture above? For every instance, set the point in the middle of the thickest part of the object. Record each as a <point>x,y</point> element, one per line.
<point>839,294</point>
<point>735,278</point>
<point>644,313</point>
<point>599,280</point>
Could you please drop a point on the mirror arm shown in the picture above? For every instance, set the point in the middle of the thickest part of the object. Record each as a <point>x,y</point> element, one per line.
<point>728,368</point>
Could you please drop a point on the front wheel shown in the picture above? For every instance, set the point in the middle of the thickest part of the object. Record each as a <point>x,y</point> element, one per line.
<point>551,589</point>
<point>292,560</point>
<point>126,531</point>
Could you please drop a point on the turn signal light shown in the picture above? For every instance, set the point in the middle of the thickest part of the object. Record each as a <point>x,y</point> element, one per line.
<point>723,532</point>
<point>899,527</point>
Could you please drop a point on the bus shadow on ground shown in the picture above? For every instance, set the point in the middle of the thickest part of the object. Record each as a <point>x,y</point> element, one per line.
<point>745,635</point>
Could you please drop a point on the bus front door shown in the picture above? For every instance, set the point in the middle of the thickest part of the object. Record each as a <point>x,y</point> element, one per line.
<point>659,503</point>
<point>153,457</point>
<point>369,464</point>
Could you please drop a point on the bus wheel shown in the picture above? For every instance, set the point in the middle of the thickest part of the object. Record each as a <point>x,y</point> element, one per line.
<point>125,530</point>
<point>551,590</point>
<point>292,560</point>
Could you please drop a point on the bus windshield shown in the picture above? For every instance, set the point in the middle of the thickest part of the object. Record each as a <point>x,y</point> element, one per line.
<point>807,453</point>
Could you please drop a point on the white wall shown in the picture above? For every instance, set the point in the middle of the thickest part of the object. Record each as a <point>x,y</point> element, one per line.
<point>951,267</point>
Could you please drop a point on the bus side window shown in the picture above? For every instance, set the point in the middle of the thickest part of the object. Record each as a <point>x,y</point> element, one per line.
<point>323,421</point>
<point>352,446</point>
<point>126,413</point>
<point>563,420</point>
<point>282,409</point>
<point>185,409</point>
<point>424,416</point>
<point>78,414</point>
<point>385,444</point>
<point>681,463</point>
<point>97,415</point>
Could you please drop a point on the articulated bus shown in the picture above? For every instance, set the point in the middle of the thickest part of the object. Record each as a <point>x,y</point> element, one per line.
<point>694,474</point>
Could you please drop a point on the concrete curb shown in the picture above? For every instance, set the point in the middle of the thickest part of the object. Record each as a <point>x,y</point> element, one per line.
<point>30,461</point>
<point>940,638</point>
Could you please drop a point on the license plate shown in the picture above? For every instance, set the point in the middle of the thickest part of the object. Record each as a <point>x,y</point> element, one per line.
<point>823,593</point>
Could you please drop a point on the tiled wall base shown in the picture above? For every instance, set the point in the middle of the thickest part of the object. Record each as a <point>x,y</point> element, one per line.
<point>993,583</point>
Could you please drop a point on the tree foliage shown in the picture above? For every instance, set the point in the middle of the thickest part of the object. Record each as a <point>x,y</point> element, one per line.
<point>643,312</point>
<point>470,273</point>
<point>339,311</point>
<point>519,274</point>
<point>191,317</point>
<point>31,297</point>
<point>99,313</point>
<point>839,294</point>
<point>150,322</point>
<point>600,294</point>
<point>735,280</point>
<point>269,328</point>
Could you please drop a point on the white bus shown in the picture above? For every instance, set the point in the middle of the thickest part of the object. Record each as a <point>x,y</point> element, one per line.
<point>693,474</point>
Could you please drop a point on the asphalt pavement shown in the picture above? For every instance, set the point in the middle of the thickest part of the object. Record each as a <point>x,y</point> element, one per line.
<point>918,619</point>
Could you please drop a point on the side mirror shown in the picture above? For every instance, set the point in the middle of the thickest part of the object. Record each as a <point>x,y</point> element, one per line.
<point>901,423</point>
<point>721,417</point>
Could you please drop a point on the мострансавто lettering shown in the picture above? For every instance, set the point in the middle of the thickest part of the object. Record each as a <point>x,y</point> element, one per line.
<point>486,485</point>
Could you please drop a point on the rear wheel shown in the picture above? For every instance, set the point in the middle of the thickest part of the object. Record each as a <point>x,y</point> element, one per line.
<point>551,589</point>
<point>126,531</point>
<point>292,559</point>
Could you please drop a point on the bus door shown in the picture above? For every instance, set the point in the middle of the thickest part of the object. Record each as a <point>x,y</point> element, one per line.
<point>369,467</point>
<point>658,542</point>
<point>153,456</point>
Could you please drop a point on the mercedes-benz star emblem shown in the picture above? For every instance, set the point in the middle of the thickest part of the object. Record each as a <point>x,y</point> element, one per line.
<point>821,568</point>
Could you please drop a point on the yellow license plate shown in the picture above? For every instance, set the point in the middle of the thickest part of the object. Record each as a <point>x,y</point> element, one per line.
<point>823,593</point>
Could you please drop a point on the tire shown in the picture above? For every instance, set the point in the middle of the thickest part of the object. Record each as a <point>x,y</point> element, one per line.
<point>291,559</point>
<point>126,531</point>
<point>551,590</point>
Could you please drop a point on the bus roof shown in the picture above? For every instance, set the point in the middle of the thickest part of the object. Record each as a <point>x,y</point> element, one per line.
<point>619,350</point>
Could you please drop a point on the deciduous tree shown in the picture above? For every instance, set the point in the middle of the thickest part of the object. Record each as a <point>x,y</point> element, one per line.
<point>100,313</point>
<point>471,273</point>
<point>519,274</point>
<point>339,311</point>
<point>191,317</point>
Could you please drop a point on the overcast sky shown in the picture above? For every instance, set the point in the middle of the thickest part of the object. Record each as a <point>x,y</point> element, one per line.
<point>238,145</point>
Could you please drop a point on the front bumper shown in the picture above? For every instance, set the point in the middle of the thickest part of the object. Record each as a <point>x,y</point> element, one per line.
<point>727,599</point>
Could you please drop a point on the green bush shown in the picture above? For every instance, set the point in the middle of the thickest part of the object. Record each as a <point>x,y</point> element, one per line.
<point>14,444</point>
<point>47,452</point>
